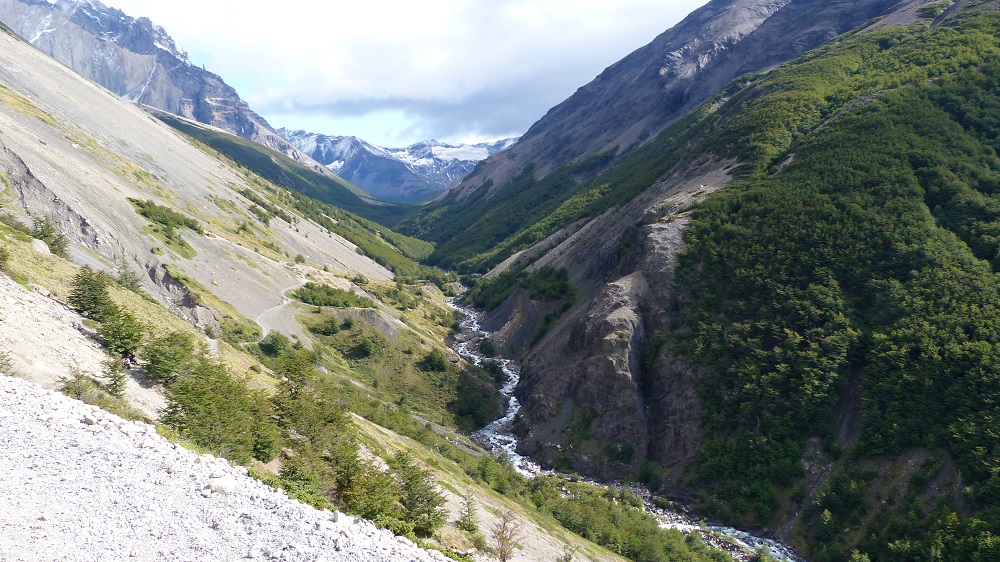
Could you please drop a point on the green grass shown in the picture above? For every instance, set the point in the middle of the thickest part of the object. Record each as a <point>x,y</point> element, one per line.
<point>284,171</point>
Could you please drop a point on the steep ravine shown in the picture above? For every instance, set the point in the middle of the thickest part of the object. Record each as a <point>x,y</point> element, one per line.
<point>499,438</point>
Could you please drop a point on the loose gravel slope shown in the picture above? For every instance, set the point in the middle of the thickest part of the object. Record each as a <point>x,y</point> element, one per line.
<point>80,484</point>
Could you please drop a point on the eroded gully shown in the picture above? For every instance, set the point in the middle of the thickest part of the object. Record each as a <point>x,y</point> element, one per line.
<point>498,437</point>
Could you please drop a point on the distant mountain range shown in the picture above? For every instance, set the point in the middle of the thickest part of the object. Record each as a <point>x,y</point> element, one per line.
<point>139,61</point>
<point>406,175</point>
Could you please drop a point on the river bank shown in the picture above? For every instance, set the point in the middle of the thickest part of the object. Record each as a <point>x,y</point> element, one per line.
<point>498,437</point>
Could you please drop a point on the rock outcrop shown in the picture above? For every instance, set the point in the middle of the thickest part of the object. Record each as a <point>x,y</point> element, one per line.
<point>598,395</point>
<point>637,97</point>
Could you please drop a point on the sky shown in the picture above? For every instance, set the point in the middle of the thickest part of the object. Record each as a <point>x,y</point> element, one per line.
<point>396,72</point>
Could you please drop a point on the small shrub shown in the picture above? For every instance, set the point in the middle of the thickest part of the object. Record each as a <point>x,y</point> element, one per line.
<point>495,369</point>
<point>487,347</point>
<point>468,519</point>
<point>367,347</point>
<point>299,258</point>
<point>435,361</point>
<point>506,535</point>
<point>4,258</point>
<point>6,363</point>
<point>80,386</point>
<point>116,379</point>
<point>169,355</point>
<point>121,330</point>
<point>330,327</point>
<point>420,497</point>
<point>318,294</point>
<point>44,230</point>
<point>88,292</point>
<point>129,279</point>
<point>275,344</point>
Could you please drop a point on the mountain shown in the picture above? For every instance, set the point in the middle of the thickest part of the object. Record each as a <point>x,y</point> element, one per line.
<point>139,61</point>
<point>629,104</point>
<point>754,264</point>
<point>405,175</point>
<point>159,270</point>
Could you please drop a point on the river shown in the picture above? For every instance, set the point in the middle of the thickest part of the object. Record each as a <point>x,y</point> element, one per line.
<point>498,437</point>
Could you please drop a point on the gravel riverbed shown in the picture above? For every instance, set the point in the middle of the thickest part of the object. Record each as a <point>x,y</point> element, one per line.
<point>80,484</point>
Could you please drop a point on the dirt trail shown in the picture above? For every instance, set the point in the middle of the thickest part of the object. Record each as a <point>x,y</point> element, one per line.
<point>278,319</point>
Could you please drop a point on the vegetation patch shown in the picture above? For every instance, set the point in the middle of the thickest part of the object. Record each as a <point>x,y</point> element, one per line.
<point>871,256</point>
<point>319,294</point>
<point>166,223</point>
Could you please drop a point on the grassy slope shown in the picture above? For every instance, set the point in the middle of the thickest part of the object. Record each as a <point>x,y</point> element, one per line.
<point>283,185</point>
<point>284,171</point>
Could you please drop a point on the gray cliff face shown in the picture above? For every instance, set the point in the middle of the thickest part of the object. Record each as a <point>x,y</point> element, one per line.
<point>639,96</point>
<point>416,173</point>
<point>139,61</point>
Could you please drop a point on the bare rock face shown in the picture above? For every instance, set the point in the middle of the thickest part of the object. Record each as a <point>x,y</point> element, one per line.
<point>599,394</point>
<point>583,391</point>
<point>139,61</point>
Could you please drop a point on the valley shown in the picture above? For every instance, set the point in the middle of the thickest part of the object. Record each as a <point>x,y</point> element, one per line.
<point>746,276</point>
<point>499,439</point>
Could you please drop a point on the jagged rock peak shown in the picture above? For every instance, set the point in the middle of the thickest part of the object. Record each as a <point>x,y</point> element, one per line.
<point>139,61</point>
<point>139,35</point>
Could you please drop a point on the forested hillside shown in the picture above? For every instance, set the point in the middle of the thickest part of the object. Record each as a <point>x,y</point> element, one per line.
<point>861,249</point>
<point>838,300</point>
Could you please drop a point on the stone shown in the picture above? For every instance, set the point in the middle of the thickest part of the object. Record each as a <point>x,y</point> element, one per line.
<point>40,246</point>
<point>223,485</point>
<point>39,289</point>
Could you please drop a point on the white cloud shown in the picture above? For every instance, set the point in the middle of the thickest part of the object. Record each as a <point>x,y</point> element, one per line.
<point>448,69</point>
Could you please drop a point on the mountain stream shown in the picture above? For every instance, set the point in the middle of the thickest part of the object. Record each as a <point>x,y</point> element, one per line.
<point>498,437</point>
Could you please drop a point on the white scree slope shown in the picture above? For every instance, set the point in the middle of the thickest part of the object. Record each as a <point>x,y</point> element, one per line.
<point>80,484</point>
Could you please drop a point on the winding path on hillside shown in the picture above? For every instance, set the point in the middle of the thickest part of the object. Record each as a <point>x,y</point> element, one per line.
<point>271,318</point>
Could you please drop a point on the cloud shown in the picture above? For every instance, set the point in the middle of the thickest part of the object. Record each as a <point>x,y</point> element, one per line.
<point>447,69</point>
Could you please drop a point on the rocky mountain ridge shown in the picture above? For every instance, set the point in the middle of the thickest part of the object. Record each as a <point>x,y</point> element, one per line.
<point>139,61</point>
<point>406,175</point>
<point>636,98</point>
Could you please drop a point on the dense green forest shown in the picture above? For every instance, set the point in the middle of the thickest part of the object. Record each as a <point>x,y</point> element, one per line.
<point>860,249</point>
